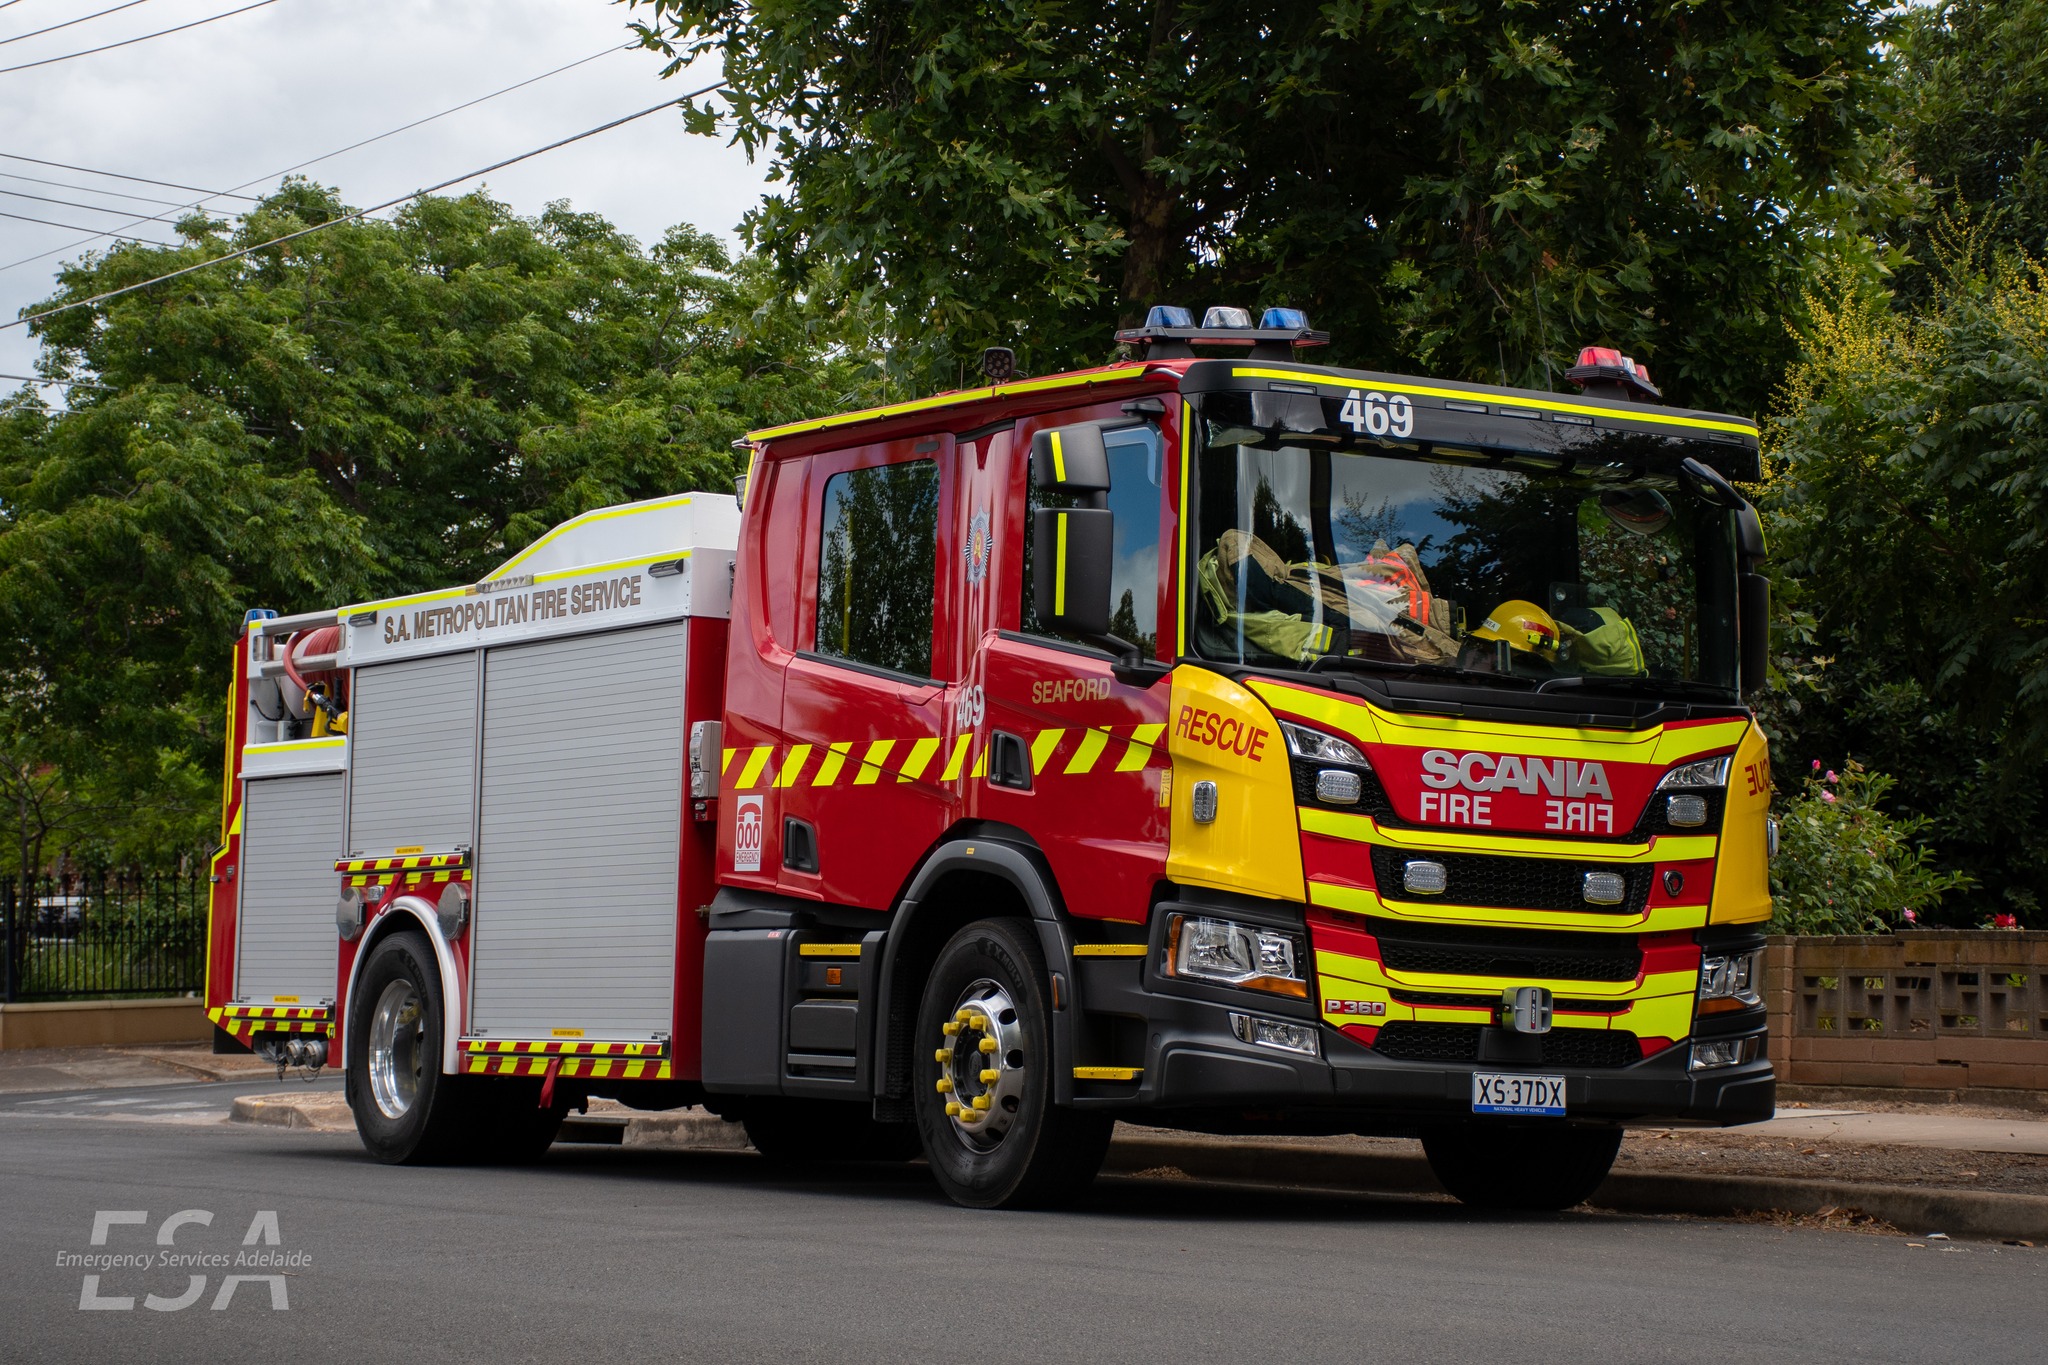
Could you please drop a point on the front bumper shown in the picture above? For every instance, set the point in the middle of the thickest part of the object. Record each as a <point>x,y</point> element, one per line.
<point>1194,1062</point>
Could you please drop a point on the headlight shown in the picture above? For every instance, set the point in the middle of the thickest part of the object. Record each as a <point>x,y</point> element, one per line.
<point>1724,1052</point>
<point>1702,772</point>
<point>1248,956</point>
<point>1733,977</point>
<point>1317,747</point>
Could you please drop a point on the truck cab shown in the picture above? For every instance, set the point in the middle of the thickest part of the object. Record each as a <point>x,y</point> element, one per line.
<point>1229,742</point>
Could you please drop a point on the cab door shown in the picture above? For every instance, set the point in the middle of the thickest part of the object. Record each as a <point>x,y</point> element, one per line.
<point>862,779</point>
<point>1094,785</point>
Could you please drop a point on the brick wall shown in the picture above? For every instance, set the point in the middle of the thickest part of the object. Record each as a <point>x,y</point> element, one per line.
<point>1927,1010</point>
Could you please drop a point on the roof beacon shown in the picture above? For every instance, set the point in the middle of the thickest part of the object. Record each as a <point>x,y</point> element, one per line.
<point>1169,333</point>
<point>1603,372</point>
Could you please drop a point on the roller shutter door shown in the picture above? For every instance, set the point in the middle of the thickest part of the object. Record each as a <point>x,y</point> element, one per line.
<point>291,835</point>
<point>581,836</point>
<point>412,765</point>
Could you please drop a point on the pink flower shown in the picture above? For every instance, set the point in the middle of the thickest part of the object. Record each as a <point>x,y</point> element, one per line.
<point>1912,918</point>
<point>1832,777</point>
<point>1816,765</point>
<point>1827,796</point>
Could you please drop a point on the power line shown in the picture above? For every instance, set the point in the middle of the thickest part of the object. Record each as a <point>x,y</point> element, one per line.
<point>39,32</point>
<point>24,218</point>
<point>456,109</point>
<point>130,42</point>
<point>88,189</point>
<point>91,208</point>
<point>116,175</point>
<point>36,379</point>
<point>359,213</point>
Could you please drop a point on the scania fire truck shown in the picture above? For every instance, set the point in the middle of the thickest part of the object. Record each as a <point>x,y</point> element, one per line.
<point>1213,739</point>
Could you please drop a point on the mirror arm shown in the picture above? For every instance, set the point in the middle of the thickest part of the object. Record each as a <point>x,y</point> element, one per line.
<point>1131,668</point>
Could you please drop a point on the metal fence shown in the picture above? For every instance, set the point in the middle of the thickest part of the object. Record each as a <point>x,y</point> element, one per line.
<point>102,934</point>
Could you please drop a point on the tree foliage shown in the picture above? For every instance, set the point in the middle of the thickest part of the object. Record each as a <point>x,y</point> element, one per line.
<point>1469,187</point>
<point>1846,867</point>
<point>377,408</point>
<point>1910,504</point>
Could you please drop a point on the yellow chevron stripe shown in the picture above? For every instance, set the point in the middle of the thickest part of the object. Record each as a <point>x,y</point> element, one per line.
<point>835,759</point>
<point>793,766</point>
<point>1138,752</point>
<point>725,760</point>
<point>756,761</point>
<point>958,759</point>
<point>920,758</point>
<point>1042,748</point>
<point>1092,742</point>
<point>872,764</point>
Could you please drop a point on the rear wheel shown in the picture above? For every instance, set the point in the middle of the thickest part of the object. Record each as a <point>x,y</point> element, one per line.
<point>991,1131</point>
<point>803,1130</point>
<point>406,1111</point>
<point>1521,1168</point>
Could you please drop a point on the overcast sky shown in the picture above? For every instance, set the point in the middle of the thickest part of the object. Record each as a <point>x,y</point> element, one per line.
<point>240,99</point>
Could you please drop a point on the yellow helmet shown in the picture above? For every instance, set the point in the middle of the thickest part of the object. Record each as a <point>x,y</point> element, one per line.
<point>1524,625</point>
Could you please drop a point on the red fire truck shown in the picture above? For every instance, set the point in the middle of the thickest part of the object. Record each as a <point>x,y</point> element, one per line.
<point>1214,739</point>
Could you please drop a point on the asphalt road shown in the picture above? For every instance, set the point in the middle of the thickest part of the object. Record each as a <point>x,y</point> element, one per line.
<point>620,1254</point>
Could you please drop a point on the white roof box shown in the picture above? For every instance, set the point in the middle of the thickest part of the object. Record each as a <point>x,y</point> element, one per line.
<point>631,533</point>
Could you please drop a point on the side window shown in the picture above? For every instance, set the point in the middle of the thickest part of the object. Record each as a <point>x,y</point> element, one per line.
<point>877,566</point>
<point>1136,465</point>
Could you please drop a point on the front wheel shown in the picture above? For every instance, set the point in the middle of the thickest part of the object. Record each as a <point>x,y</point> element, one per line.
<point>991,1132</point>
<point>406,1111</point>
<point>1521,1168</point>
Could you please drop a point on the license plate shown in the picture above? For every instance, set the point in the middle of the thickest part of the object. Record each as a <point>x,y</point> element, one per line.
<point>1493,1093</point>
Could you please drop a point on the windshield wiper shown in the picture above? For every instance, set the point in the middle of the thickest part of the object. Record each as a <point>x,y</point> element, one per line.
<point>1353,663</point>
<point>1679,686</point>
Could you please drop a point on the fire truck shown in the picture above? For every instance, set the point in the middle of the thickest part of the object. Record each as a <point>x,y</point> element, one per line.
<point>1213,739</point>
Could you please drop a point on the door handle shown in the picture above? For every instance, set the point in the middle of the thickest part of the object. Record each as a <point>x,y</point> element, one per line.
<point>1009,761</point>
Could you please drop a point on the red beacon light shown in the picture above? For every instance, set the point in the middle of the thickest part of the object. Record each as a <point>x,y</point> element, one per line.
<point>1603,372</point>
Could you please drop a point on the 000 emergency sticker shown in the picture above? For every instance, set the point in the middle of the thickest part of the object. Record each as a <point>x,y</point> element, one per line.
<point>748,831</point>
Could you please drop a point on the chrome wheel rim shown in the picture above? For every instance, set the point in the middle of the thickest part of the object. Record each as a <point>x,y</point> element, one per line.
<point>398,1053</point>
<point>981,1066</point>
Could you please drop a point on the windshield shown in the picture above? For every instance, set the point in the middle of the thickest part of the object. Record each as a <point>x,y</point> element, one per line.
<point>1492,567</point>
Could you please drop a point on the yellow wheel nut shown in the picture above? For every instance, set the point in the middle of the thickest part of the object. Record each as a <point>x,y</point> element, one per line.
<point>982,1101</point>
<point>988,1045</point>
<point>952,1109</point>
<point>944,1054</point>
<point>991,1077</point>
<point>978,1022</point>
<point>945,1086</point>
<point>950,1028</point>
<point>963,1015</point>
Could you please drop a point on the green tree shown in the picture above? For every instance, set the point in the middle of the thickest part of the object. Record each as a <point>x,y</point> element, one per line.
<point>377,408</point>
<point>1910,521</point>
<point>1846,867</point>
<point>1471,187</point>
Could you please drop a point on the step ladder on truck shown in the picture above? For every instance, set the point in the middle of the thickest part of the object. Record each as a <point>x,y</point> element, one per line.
<point>1214,739</point>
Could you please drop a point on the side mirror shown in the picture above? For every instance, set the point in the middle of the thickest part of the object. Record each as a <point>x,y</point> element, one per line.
<point>1753,631</point>
<point>1710,486</point>
<point>1749,536</point>
<point>1070,459</point>
<point>1074,551</point>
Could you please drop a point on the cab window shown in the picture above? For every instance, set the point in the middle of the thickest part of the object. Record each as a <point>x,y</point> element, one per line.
<point>877,566</point>
<point>1136,457</point>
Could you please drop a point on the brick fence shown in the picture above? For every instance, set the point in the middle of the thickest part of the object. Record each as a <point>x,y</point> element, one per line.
<point>1948,1010</point>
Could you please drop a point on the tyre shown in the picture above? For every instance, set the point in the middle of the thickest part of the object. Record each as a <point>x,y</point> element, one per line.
<point>794,1131</point>
<point>406,1111</point>
<point>1492,1167</point>
<point>983,1079</point>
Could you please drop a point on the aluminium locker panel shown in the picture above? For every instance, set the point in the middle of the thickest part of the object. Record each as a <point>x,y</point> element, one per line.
<point>286,941</point>
<point>580,842</point>
<point>412,766</point>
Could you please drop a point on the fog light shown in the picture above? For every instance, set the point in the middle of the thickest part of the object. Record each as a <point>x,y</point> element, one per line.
<point>1202,804</point>
<point>1686,811</point>
<point>1425,878</point>
<point>1338,787</point>
<point>1275,1033</point>
<point>1724,1052</point>
<point>1605,888</point>
<point>1246,955</point>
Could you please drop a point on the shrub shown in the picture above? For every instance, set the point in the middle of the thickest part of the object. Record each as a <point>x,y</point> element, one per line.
<point>1846,867</point>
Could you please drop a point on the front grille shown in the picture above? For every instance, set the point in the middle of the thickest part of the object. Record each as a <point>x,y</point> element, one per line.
<point>1502,883</point>
<point>1371,801</point>
<point>1570,1047</point>
<point>1542,954</point>
<point>1435,1000</point>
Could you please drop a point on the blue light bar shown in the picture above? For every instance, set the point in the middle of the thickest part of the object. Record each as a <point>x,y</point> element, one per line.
<point>1166,315</point>
<point>1284,320</point>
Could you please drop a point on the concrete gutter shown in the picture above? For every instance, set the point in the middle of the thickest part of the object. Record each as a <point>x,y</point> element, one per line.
<point>1328,1166</point>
